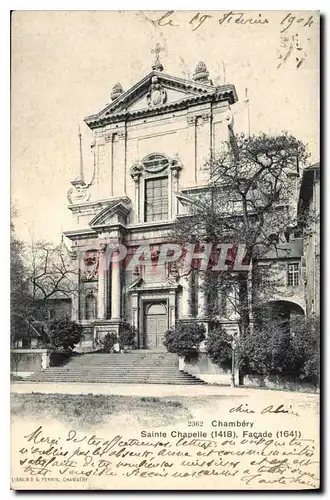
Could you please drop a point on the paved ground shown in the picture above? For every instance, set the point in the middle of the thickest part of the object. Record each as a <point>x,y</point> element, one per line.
<point>151,390</point>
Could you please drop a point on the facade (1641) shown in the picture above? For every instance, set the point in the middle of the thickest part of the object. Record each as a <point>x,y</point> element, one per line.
<point>150,147</point>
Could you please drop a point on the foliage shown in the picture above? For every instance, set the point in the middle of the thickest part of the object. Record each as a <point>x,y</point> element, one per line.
<point>247,202</point>
<point>219,346</point>
<point>50,275</point>
<point>20,298</point>
<point>273,349</point>
<point>184,339</point>
<point>127,336</point>
<point>306,345</point>
<point>108,341</point>
<point>267,350</point>
<point>39,272</point>
<point>64,334</point>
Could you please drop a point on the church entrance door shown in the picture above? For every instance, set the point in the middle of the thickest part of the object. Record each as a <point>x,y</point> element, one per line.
<point>155,325</point>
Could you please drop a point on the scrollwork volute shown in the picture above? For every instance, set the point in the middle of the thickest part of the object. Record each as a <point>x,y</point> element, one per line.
<point>78,194</point>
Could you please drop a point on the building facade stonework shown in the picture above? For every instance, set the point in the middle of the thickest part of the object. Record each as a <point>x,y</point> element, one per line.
<point>150,147</point>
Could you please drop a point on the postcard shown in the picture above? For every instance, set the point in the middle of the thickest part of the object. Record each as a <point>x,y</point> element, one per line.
<point>165,250</point>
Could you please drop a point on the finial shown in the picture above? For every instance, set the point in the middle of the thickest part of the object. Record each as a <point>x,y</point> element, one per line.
<point>201,74</point>
<point>116,91</point>
<point>157,66</point>
<point>79,180</point>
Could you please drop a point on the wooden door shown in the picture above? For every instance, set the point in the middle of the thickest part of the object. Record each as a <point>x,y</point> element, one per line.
<point>155,325</point>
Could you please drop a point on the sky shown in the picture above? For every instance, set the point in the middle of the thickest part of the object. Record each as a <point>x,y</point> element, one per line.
<point>64,64</point>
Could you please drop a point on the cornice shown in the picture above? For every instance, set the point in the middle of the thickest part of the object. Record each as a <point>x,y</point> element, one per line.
<point>77,234</point>
<point>199,93</point>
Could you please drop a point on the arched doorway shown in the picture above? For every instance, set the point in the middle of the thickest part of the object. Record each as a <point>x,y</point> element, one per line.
<point>282,314</point>
<point>155,325</point>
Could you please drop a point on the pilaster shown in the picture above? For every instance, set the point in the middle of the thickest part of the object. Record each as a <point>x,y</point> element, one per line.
<point>202,296</point>
<point>115,291</point>
<point>102,282</point>
<point>186,305</point>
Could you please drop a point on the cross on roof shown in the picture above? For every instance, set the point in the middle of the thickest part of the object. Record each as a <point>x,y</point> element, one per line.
<point>157,50</point>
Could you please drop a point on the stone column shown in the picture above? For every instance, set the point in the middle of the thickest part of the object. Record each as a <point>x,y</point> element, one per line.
<point>115,290</point>
<point>119,162</point>
<point>202,296</point>
<point>175,173</point>
<point>171,304</point>
<point>170,196</point>
<point>76,291</point>
<point>136,179</point>
<point>135,314</point>
<point>202,146</point>
<point>101,296</point>
<point>186,309</point>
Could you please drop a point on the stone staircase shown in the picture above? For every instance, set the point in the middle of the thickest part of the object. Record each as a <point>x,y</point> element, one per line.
<point>134,367</point>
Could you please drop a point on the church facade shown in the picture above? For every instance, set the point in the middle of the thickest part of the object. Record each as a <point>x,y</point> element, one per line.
<point>150,147</point>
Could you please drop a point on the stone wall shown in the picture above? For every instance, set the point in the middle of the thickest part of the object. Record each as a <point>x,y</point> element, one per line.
<point>277,382</point>
<point>24,362</point>
<point>205,370</point>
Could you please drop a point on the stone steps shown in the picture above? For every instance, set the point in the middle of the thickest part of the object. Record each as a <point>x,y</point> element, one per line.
<point>182,380</point>
<point>129,368</point>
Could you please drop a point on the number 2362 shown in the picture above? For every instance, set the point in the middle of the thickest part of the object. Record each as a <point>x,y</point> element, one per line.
<point>195,423</point>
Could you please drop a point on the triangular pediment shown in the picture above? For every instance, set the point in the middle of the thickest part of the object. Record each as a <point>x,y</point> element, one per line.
<point>113,214</point>
<point>156,92</point>
<point>171,96</point>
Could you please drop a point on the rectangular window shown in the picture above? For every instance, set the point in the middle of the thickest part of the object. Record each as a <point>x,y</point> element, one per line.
<point>156,199</point>
<point>293,274</point>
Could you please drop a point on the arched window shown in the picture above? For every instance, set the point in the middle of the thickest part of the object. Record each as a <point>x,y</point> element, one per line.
<point>156,179</point>
<point>156,188</point>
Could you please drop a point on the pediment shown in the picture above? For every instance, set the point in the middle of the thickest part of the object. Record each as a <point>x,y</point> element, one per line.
<point>114,213</point>
<point>167,96</point>
<point>158,92</point>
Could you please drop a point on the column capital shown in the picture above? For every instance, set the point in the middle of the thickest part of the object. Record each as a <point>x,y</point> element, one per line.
<point>176,166</point>
<point>136,171</point>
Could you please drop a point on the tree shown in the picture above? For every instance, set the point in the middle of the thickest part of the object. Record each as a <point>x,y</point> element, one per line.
<point>250,201</point>
<point>219,346</point>
<point>274,350</point>
<point>50,274</point>
<point>267,351</point>
<point>184,339</point>
<point>127,336</point>
<point>306,346</point>
<point>20,298</point>
<point>64,334</point>
<point>108,341</point>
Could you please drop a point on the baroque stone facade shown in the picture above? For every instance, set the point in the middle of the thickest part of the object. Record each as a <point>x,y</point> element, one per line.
<point>150,147</point>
